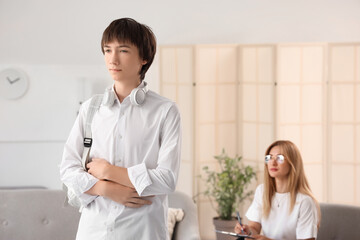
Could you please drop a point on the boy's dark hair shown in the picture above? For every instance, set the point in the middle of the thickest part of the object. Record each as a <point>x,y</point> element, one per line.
<point>140,35</point>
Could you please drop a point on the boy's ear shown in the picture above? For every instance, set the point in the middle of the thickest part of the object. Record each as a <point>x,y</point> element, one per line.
<point>144,62</point>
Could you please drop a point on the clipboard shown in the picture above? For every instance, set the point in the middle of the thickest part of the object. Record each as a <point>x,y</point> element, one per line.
<point>239,236</point>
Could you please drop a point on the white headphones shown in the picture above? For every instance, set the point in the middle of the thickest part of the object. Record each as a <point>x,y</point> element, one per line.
<point>137,95</point>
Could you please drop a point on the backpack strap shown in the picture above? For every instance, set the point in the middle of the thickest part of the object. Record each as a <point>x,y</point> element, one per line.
<point>95,103</point>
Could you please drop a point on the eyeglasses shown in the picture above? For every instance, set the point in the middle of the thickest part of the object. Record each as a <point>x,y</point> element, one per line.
<point>279,158</point>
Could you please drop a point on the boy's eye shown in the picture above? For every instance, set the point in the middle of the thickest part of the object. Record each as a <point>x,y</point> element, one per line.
<point>123,50</point>
<point>107,50</point>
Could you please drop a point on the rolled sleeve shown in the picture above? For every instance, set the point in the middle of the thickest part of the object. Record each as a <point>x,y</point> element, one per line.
<point>163,178</point>
<point>85,198</point>
<point>83,183</point>
<point>139,177</point>
<point>79,183</point>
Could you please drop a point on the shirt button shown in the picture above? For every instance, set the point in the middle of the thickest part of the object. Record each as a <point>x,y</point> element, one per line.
<point>115,207</point>
<point>120,137</point>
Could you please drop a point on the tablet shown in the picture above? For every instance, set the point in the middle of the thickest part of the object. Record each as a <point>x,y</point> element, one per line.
<point>234,234</point>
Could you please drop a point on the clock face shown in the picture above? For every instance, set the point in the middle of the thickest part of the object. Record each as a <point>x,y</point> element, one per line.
<point>13,83</point>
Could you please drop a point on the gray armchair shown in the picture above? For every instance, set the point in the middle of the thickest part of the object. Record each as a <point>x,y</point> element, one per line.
<point>188,228</point>
<point>339,222</point>
<point>39,214</point>
<point>36,214</point>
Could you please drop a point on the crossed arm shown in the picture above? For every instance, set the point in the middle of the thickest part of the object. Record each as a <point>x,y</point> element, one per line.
<point>114,184</point>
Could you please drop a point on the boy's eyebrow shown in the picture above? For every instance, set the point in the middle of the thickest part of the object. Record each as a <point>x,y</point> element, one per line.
<point>120,46</point>
<point>124,45</point>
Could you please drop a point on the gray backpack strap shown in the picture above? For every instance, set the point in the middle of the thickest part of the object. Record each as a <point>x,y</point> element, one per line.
<point>95,103</point>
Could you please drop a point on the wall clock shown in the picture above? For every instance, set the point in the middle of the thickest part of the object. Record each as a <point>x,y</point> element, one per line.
<point>13,83</point>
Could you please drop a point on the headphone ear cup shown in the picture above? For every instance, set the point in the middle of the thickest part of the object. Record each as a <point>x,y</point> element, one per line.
<point>132,96</point>
<point>137,96</point>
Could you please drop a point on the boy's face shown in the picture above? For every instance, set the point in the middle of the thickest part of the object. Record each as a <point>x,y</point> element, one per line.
<point>123,61</point>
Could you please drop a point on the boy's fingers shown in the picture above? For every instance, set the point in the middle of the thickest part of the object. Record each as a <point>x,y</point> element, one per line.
<point>133,205</point>
<point>140,201</point>
<point>137,202</point>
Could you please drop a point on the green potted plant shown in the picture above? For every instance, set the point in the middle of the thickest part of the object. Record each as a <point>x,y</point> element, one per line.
<point>228,189</point>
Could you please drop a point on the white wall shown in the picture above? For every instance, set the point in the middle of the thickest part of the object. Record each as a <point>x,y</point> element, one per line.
<point>69,32</point>
<point>57,43</point>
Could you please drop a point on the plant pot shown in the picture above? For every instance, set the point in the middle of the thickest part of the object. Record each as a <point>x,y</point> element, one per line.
<point>224,225</point>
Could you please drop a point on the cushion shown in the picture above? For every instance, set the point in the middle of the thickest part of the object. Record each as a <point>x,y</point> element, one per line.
<point>174,215</point>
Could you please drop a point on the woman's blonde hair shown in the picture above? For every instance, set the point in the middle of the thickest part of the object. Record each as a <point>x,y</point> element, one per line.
<point>297,182</point>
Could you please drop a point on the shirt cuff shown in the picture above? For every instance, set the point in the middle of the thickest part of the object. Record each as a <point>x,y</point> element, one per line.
<point>139,177</point>
<point>83,183</point>
<point>85,198</point>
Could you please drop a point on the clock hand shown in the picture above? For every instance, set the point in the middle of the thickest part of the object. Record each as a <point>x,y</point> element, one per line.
<point>12,81</point>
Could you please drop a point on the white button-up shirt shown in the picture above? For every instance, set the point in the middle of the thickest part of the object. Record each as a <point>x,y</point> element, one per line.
<point>144,139</point>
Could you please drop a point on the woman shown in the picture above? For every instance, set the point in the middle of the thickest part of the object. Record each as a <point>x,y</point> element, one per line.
<point>283,207</point>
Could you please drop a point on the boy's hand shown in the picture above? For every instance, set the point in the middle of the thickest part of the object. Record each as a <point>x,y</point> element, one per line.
<point>124,195</point>
<point>98,167</point>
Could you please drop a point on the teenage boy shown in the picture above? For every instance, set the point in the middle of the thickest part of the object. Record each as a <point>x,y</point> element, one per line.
<point>135,151</point>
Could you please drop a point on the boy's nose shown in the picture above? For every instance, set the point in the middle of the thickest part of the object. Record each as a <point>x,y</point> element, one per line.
<point>114,59</point>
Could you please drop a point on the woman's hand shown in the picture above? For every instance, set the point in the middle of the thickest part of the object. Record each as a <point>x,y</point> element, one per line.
<point>98,167</point>
<point>247,231</point>
<point>244,229</point>
<point>253,229</point>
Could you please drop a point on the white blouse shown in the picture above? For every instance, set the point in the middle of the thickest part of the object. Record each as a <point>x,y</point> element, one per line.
<point>281,224</point>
